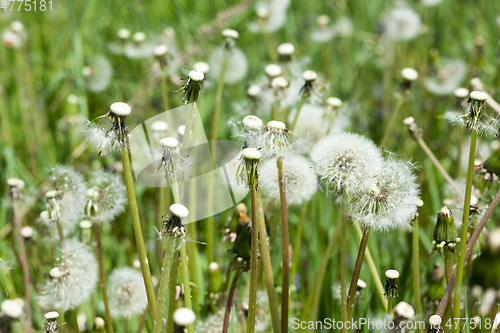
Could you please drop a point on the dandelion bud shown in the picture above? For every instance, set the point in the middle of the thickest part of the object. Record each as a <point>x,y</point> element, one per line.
<point>184,317</point>
<point>252,122</point>
<point>391,288</point>
<point>273,71</point>
<point>123,34</point>
<point>445,233</point>
<point>201,66</point>
<point>286,51</point>
<point>435,324</point>
<point>254,91</point>
<point>11,308</point>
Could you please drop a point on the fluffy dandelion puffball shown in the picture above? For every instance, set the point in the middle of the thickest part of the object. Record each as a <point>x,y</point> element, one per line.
<point>74,280</point>
<point>402,23</point>
<point>97,74</point>
<point>127,293</point>
<point>450,74</point>
<point>298,175</point>
<point>346,161</point>
<point>390,201</point>
<point>106,196</point>
<point>237,64</point>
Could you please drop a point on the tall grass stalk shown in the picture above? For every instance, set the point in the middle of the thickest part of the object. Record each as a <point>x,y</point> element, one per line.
<point>463,233</point>
<point>171,297</point>
<point>416,266</point>
<point>286,247</point>
<point>102,277</point>
<point>254,266</point>
<point>139,239</point>
<point>185,281</point>
<point>392,121</point>
<point>268,269</point>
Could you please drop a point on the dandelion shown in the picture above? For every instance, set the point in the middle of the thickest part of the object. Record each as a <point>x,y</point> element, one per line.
<point>97,74</point>
<point>212,324</point>
<point>445,233</point>
<point>286,52</point>
<point>248,171</point>
<point>127,293</point>
<point>298,176</point>
<point>471,119</point>
<point>51,325</point>
<point>401,23</point>
<point>14,36</point>
<point>325,31</point>
<point>391,288</point>
<point>347,161</point>
<point>73,281</point>
<point>191,90</point>
<point>272,71</point>
<point>184,317</point>
<point>236,67</point>
<point>404,310</point>
<point>435,324</point>
<point>112,134</point>
<point>389,202</point>
<point>202,67</point>
<point>12,308</point>
<point>271,16</point>
<point>119,47</point>
<point>106,197</point>
<point>450,74</point>
<point>140,47</point>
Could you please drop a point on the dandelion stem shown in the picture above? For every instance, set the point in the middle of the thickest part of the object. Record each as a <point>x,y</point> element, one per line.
<point>185,277</point>
<point>254,266</point>
<point>172,286</point>
<point>392,120</point>
<point>448,265</point>
<point>416,265</point>
<point>389,305</point>
<point>164,282</point>
<point>440,168</point>
<point>24,263</point>
<point>218,100</point>
<point>139,239</point>
<point>268,269</point>
<point>230,300</point>
<point>187,128</point>
<point>357,270</point>
<point>465,225</point>
<point>298,241</point>
<point>373,269</point>
<point>468,251</point>
<point>296,117</point>
<point>343,268</point>
<point>164,93</point>
<point>102,277</point>
<point>286,247</point>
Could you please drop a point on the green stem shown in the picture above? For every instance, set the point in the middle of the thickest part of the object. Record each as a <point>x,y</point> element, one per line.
<point>102,277</point>
<point>268,269</point>
<point>164,282</point>
<point>301,102</point>
<point>298,241</point>
<point>448,267</point>
<point>172,291</point>
<point>357,270</point>
<point>343,268</point>
<point>185,277</point>
<point>139,239</point>
<point>389,305</point>
<point>373,269</point>
<point>463,234</point>
<point>187,129</point>
<point>218,101</point>
<point>392,121</point>
<point>164,94</point>
<point>416,266</point>
<point>286,247</point>
<point>254,267</point>
<point>229,302</point>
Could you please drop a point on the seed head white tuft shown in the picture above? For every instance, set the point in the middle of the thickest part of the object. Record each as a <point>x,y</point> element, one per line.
<point>196,75</point>
<point>346,161</point>
<point>276,124</point>
<point>334,102</point>
<point>361,284</point>
<point>404,310</point>
<point>461,92</point>
<point>169,142</point>
<point>127,293</point>
<point>252,122</point>
<point>184,317</point>
<point>179,210</point>
<point>309,75</point>
<point>390,201</point>
<point>254,90</point>
<point>392,274</point>
<point>408,121</point>
<point>286,49</point>
<point>123,33</point>
<point>99,322</point>
<point>85,224</point>
<point>298,175</point>
<point>450,74</point>
<point>160,50</point>
<point>17,27</point>
<point>279,82</point>
<point>27,232</point>
<point>202,67</point>
<point>231,33</point>
<point>11,308</point>
<point>409,74</point>
<point>15,182</point>
<point>213,267</point>
<point>251,154</point>
<point>52,315</point>
<point>109,198</point>
<point>273,70</point>
<point>478,96</point>
<point>120,109</point>
<point>402,23</point>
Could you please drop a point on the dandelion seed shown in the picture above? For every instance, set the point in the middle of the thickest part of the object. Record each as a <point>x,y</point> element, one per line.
<point>127,293</point>
<point>74,280</point>
<point>401,23</point>
<point>390,201</point>
<point>347,161</point>
<point>298,175</point>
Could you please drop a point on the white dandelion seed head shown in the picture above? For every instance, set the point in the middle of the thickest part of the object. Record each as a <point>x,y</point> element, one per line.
<point>409,74</point>
<point>478,96</point>
<point>272,14</point>
<point>139,37</point>
<point>309,75</point>
<point>212,324</point>
<point>392,274</point>
<point>343,27</point>
<point>127,293</point>
<point>76,280</point>
<point>401,23</point>
<point>361,284</point>
<point>123,33</point>
<point>169,142</point>
<point>196,75</point>
<point>236,68</point>
<point>179,210</point>
<point>231,33</point>
<point>276,124</point>
<point>450,75</point>
<point>27,232</point>
<point>346,161</point>
<point>323,20</point>
<point>17,27</point>
<point>120,109</point>
<point>139,47</point>
<point>404,310</point>
<point>51,315</point>
<point>110,196</point>
<point>390,201</point>
<point>461,92</point>
<point>101,138</point>
<point>98,73</point>
<point>334,102</point>
<point>213,267</point>
<point>184,317</point>
<point>286,49</point>
<point>11,308</point>
<point>298,175</point>
<point>11,40</point>
<point>279,82</point>
<point>202,67</point>
<point>15,182</point>
<point>160,50</point>
<point>159,126</point>
<point>252,122</point>
<point>273,70</point>
<point>251,154</point>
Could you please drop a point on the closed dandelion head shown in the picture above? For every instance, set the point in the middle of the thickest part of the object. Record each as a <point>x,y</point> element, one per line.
<point>391,288</point>
<point>445,233</point>
<point>298,175</point>
<point>347,161</point>
<point>401,23</point>
<point>74,280</point>
<point>191,90</point>
<point>127,293</point>
<point>106,197</point>
<point>110,135</point>
<point>173,225</point>
<point>390,201</point>
<point>236,64</point>
<point>97,74</point>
